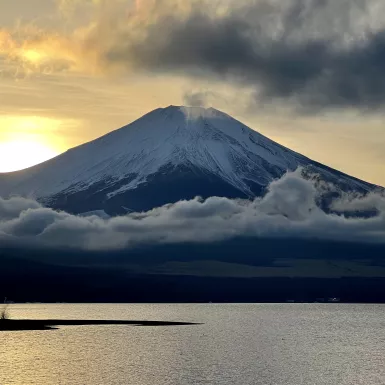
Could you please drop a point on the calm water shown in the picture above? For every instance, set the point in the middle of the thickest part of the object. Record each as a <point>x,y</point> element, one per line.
<point>283,344</point>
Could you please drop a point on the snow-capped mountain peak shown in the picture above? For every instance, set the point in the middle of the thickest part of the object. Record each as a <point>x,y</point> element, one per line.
<point>169,154</point>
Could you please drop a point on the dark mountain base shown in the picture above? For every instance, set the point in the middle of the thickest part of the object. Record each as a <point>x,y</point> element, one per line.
<point>168,185</point>
<point>172,184</point>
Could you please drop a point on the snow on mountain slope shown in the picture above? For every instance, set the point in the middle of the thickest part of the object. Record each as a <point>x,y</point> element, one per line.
<point>153,160</point>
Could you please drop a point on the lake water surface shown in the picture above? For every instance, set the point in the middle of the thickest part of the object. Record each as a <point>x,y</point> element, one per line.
<point>267,344</point>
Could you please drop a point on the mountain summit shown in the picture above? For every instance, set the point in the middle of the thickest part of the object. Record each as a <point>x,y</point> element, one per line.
<point>169,154</point>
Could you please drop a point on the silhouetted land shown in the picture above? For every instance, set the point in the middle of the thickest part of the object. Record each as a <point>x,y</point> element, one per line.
<point>240,270</point>
<point>20,325</point>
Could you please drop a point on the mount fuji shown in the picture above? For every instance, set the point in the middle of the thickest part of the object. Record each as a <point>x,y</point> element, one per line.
<point>170,154</point>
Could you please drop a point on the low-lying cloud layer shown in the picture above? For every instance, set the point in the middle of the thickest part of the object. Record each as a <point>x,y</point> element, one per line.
<point>313,54</point>
<point>288,210</point>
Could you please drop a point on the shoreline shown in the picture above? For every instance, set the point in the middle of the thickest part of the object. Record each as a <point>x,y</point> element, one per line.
<point>30,325</point>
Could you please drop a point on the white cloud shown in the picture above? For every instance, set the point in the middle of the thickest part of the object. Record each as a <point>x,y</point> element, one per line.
<point>288,210</point>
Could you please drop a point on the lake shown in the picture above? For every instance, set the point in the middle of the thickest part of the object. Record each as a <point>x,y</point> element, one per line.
<point>267,344</point>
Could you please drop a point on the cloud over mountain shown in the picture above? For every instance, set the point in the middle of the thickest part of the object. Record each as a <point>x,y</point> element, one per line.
<point>289,209</point>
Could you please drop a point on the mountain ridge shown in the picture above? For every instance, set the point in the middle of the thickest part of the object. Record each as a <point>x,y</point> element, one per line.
<point>167,155</point>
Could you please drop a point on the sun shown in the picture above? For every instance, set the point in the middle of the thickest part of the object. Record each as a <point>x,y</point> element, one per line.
<point>33,56</point>
<point>28,140</point>
<point>20,154</point>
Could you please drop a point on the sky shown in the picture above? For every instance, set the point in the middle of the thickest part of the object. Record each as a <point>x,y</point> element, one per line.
<point>306,73</point>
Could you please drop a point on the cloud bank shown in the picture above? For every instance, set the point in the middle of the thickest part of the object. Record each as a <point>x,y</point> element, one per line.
<point>312,54</point>
<point>288,210</point>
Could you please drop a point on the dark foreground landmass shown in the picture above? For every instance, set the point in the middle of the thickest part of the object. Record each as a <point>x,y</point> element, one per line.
<point>20,325</point>
<point>240,270</point>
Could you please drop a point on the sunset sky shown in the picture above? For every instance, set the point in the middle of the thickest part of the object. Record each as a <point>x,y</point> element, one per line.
<point>306,73</point>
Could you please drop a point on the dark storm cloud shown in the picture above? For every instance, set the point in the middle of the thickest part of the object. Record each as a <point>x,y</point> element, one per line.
<point>288,210</point>
<point>315,54</point>
<point>309,54</point>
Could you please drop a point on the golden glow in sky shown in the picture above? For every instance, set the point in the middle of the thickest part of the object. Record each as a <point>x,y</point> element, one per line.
<point>26,141</point>
<point>19,154</point>
<point>33,56</point>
